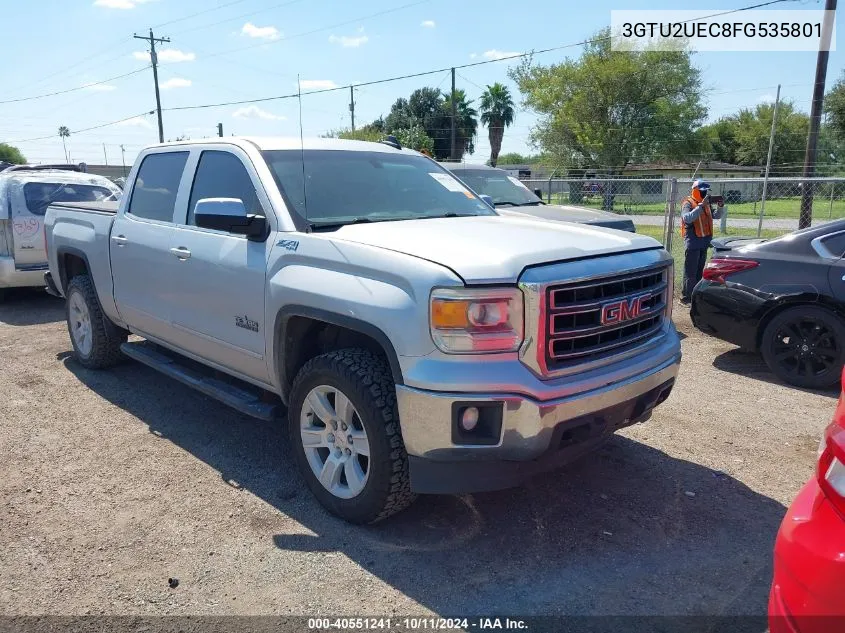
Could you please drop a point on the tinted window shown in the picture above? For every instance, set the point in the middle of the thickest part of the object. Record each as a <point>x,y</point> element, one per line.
<point>154,193</point>
<point>835,244</point>
<point>223,175</point>
<point>39,195</point>
<point>503,188</point>
<point>342,186</point>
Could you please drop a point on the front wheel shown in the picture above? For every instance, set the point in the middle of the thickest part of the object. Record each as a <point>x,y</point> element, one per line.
<point>805,346</point>
<point>344,431</point>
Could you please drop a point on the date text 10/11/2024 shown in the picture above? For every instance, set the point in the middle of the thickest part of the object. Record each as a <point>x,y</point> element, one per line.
<point>415,624</point>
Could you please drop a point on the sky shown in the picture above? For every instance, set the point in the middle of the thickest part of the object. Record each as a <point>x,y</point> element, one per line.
<point>235,50</point>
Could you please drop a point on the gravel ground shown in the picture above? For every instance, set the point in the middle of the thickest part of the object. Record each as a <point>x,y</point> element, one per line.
<point>112,482</point>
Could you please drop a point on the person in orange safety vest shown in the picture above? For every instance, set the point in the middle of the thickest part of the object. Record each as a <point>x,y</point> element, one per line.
<point>697,215</point>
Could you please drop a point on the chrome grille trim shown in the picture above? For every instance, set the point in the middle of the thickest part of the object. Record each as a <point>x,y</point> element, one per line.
<point>537,283</point>
<point>570,333</point>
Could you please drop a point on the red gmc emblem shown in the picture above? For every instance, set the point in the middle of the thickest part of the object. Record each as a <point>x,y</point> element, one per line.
<point>624,310</point>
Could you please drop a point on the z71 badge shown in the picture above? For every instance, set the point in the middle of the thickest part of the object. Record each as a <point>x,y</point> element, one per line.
<point>289,245</point>
<point>246,323</point>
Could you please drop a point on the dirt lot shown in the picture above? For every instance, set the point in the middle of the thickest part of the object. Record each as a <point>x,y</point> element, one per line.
<point>112,482</point>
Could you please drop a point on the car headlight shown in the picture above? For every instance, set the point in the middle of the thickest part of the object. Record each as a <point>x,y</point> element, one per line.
<point>476,320</point>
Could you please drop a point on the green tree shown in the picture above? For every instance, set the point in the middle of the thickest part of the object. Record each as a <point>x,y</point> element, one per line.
<point>497,112</point>
<point>416,138</point>
<point>717,141</point>
<point>466,127</point>
<point>753,129</point>
<point>610,108</point>
<point>11,154</point>
<point>834,107</point>
<point>64,133</point>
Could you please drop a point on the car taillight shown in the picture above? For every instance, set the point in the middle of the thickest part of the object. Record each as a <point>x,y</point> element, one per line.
<point>717,269</point>
<point>831,467</point>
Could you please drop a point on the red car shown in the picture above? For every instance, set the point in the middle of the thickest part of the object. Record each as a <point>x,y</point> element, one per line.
<point>808,591</point>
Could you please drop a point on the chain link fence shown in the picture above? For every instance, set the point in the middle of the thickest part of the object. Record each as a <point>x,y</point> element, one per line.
<point>651,202</point>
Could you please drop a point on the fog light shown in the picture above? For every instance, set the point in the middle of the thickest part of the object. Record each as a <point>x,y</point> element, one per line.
<point>469,418</point>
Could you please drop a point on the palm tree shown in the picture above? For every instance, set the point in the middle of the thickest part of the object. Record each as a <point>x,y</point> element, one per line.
<point>466,122</point>
<point>497,111</point>
<point>64,133</point>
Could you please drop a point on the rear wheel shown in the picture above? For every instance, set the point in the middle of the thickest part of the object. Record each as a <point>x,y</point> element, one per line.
<point>96,340</point>
<point>344,431</point>
<point>805,346</point>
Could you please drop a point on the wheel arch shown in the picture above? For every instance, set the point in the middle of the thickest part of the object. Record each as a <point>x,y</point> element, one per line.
<point>71,262</point>
<point>815,300</point>
<point>301,333</point>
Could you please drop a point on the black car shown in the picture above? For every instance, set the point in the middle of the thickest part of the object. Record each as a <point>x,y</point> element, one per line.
<point>511,197</point>
<point>784,298</point>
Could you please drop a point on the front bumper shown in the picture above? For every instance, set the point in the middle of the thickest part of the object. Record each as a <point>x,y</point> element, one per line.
<point>536,435</point>
<point>809,570</point>
<point>11,277</point>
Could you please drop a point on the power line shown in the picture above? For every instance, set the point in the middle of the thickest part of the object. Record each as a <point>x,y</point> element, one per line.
<point>86,129</point>
<point>238,17</point>
<point>88,85</point>
<point>193,15</point>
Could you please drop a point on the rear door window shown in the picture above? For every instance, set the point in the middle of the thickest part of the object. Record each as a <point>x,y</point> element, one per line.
<point>156,186</point>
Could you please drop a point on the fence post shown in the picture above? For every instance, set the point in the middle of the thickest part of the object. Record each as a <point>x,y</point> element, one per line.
<point>549,197</point>
<point>830,210</point>
<point>670,223</point>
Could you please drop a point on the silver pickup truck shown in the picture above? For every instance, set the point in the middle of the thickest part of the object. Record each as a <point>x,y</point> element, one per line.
<point>419,341</point>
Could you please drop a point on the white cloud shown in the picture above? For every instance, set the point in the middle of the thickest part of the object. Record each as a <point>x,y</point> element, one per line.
<point>176,82</point>
<point>429,24</point>
<point>349,42</point>
<point>494,54</point>
<point>260,32</point>
<point>766,99</point>
<point>101,87</point>
<point>137,121</point>
<point>473,55</point>
<point>166,55</point>
<point>119,4</point>
<point>254,112</point>
<point>317,84</point>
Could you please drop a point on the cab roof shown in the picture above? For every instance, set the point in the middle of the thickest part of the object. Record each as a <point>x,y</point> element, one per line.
<point>269,143</point>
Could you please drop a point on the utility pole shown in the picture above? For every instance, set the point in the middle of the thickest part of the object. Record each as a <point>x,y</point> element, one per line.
<point>105,156</point>
<point>452,153</point>
<point>123,157</point>
<point>768,164</point>
<point>352,106</point>
<point>220,130</point>
<point>806,217</point>
<point>154,59</point>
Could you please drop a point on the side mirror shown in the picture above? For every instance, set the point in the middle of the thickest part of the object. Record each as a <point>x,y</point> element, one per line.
<point>539,193</point>
<point>229,214</point>
<point>488,200</point>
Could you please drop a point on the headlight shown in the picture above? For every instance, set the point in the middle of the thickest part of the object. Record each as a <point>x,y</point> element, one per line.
<point>476,320</point>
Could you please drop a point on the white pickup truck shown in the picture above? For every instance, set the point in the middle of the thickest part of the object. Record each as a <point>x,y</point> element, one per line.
<point>419,341</point>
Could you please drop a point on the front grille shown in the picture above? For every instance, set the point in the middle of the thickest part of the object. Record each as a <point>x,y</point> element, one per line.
<point>602,317</point>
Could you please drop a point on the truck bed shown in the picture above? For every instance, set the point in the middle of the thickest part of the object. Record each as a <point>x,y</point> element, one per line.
<point>109,206</point>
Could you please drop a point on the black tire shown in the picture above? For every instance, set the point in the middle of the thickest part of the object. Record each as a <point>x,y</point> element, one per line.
<point>805,346</point>
<point>106,337</point>
<point>365,379</point>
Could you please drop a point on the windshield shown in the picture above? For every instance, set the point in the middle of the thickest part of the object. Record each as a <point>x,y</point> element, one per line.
<point>352,186</point>
<point>39,195</point>
<point>498,185</point>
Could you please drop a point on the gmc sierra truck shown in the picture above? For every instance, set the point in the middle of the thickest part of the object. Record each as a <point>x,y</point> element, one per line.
<point>419,341</point>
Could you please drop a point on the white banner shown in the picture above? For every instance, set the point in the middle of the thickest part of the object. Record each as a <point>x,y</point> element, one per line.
<point>716,30</point>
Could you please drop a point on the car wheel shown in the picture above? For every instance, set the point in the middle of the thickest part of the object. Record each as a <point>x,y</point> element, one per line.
<point>344,431</point>
<point>96,340</point>
<point>805,346</point>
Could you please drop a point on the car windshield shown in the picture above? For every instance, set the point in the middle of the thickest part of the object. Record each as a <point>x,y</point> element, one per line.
<point>504,189</point>
<point>344,187</point>
<point>39,195</point>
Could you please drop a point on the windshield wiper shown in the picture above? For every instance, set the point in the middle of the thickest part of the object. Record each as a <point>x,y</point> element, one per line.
<point>335,224</point>
<point>518,204</point>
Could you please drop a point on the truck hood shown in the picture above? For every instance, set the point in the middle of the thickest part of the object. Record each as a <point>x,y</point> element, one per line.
<point>568,213</point>
<point>493,249</point>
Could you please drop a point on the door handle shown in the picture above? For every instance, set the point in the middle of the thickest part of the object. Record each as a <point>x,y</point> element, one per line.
<point>120,240</point>
<point>181,252</point>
